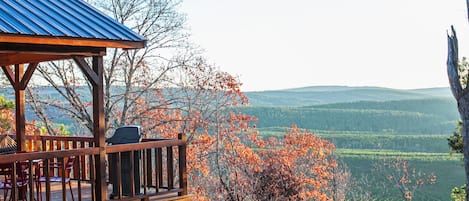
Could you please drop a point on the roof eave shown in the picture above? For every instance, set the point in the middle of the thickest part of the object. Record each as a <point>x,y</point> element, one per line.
<point>70,41</point>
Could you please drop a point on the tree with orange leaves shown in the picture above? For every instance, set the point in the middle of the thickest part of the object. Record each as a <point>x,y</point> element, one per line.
<point>300,166</point>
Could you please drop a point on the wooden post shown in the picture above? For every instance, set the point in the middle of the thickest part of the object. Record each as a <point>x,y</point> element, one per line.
<point>98,129</point>
<point>19,107</point>
<point>182,165</point>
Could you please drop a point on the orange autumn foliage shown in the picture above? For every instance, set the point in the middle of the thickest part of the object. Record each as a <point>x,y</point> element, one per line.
<point>243,166</point>
<point>7,123</point>
<point>227,159</point>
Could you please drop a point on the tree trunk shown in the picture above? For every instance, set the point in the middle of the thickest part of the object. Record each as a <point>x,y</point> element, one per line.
<point>462,97</point>
<point>465,136</point>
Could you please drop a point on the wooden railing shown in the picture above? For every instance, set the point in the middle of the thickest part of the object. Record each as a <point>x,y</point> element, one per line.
<point>159,164</point>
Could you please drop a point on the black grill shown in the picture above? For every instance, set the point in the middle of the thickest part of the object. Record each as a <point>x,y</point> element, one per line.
<point>125,135</point>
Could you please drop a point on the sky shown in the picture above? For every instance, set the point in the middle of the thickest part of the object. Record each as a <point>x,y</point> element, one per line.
<point>275,44</point>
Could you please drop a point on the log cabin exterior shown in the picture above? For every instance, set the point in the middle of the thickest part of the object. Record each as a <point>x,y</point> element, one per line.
<point>40,31</point>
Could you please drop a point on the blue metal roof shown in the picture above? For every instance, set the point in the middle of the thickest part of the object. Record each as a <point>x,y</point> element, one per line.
<point>61,18</point>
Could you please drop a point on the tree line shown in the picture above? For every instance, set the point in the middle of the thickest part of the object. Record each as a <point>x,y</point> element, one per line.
<point>370,120</point>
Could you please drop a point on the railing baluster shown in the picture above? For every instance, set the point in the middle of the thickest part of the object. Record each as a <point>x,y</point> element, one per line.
<point>131,172</point>
<point>78,171</point>
<point>51,148</point>
<point>51,145</point>
<point>76,175</point>
<point>182,165</point>
<point>61,161</point>
<point>119,174</point>
<point>30,179</point>
<point>159,167</point>
<point>169,167</point>
<point>13,181</point>
<point>44,144</point>
<point>47,173</point>
<point>149,169</point>
<point>83,164</point>
<point>145,170</point>
<point>92,176</point>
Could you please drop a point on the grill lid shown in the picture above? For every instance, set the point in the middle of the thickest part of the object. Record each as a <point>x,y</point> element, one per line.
<point>126,134</point>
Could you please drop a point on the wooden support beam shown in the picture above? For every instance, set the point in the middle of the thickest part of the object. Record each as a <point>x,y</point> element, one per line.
<point>98,128</point>
<point>22,58</point>
<point>19,107</point>
<point>51,49</point>
<point>86,69</point>
<point>19,80</point>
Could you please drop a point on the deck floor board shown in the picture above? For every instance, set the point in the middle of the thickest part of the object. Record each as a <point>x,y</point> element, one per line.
<point>56,193</point>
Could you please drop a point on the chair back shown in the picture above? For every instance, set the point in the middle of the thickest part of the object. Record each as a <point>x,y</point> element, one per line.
<point>70,162</point>
<point>69,165</point>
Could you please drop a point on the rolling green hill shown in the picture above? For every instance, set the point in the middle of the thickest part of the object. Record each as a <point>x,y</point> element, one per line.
<point>319,95</point>
<point>367,124</point>
<point>365,120</point>
<point>442,107</point>
<point>363,109</point>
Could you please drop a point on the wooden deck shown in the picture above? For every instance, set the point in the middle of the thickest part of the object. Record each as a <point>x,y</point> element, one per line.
<point>156,163</point>
<point>56,193</point>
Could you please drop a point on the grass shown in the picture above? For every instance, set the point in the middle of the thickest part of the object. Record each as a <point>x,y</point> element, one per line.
<point>381,153</point>
<point>449,172</point>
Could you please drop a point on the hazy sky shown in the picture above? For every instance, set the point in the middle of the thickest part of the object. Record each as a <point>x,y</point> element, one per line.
<point>273,44</point>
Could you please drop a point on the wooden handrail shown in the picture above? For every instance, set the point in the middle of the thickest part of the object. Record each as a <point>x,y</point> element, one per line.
<point>10,158</point>
<point>143,145</point>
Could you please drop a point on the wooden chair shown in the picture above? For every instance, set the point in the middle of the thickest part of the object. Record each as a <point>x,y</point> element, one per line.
<point>22,178</point>
<point>58,166</point>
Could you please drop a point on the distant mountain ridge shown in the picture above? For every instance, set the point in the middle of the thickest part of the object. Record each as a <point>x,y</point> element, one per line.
<point>336,108</point>
<point>319,95</point>
<point>356,109</point>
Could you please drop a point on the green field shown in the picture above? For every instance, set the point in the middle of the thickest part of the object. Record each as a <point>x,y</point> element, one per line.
<point>356,140</point>
<point>449,172</point>
<point>427,153</point>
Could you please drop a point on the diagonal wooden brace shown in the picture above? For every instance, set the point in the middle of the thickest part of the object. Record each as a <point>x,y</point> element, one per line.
<point>87,70</point>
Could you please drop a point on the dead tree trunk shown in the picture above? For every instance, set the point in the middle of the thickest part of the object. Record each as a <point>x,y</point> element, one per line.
<point>462,97</point>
